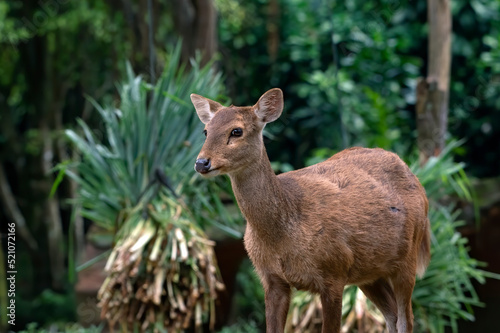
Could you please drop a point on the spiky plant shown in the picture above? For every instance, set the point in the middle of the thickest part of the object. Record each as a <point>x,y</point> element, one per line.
<point>445,294</point>
<point>136,180</point>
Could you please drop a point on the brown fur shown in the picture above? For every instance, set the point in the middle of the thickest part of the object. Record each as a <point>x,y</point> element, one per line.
<point>359,218</point>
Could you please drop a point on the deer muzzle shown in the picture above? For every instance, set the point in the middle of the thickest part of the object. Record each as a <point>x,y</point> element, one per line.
<point>202,165</point>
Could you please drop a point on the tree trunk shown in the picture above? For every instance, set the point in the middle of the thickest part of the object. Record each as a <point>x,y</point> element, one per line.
<point>195,21</point>
<point>433,91</point>
<point>272,24</point>
<point>46,99</point>
<point>13,212</point>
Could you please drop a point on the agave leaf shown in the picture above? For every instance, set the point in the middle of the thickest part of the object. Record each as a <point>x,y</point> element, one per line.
<point>153,127</point>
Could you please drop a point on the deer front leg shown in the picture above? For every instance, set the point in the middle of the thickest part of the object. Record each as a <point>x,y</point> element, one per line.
<point>277,298</point>
<point>331,300</point>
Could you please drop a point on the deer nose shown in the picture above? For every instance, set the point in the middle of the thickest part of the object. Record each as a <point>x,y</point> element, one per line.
<point>202,165</point>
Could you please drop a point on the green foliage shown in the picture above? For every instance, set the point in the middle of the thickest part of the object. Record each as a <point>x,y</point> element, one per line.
<point>9,32</point>
<point>251,293</point>
<point>475,83</point>
<point>241,327</point>
<point>349,72</point>
<point>332,61</point>
<point>154,128</point>
<point>445,294</point>
<point>47,307</point>
<point>344,91</point>
<point>63,328</point>
<point>442,177</point>
<point>248,301</point>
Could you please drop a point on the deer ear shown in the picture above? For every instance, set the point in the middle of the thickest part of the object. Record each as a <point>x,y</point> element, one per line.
<point>205,108</point>
<point>270,105</point>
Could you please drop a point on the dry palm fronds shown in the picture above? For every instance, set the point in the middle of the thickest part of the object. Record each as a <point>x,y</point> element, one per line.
<point>360,315</point>
<point>161,272</point>
<point>306,313</point>
<point>363,317</point>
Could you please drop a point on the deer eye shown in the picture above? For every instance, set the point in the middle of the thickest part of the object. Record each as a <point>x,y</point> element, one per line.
<point>237,132</point>
<point>205,132</point>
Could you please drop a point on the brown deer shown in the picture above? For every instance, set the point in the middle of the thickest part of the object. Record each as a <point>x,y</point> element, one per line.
<point>359,217</point>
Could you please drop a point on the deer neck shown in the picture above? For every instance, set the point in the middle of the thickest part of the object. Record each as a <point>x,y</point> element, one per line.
<point>262,199</point>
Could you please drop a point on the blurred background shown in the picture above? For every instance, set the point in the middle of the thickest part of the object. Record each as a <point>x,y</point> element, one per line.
<point>95,115</point>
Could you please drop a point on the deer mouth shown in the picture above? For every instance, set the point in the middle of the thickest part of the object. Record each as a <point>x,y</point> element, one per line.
<point>209,173</point>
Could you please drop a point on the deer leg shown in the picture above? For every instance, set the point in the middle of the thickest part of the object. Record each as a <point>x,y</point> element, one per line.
<point>331,300</point>
<point>381,294</point>
<point>277,298</point>
<point>403,288</point>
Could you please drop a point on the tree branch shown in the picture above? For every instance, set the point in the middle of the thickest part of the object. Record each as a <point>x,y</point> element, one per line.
<point>13,212</point>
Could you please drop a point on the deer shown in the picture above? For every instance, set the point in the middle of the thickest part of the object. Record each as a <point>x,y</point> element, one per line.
<point>357,218</point>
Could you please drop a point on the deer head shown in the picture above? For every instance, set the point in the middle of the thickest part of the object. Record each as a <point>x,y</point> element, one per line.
<point>234,134</point>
